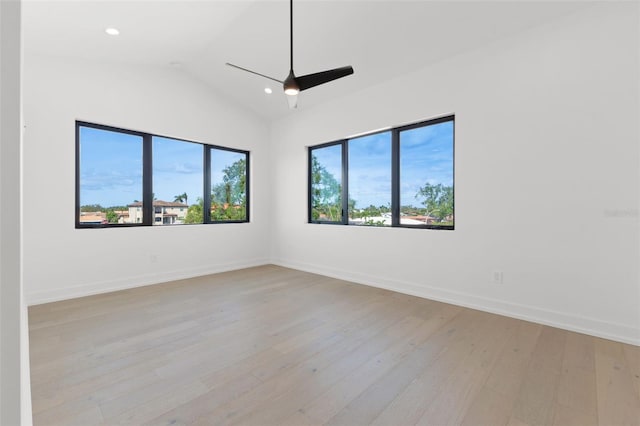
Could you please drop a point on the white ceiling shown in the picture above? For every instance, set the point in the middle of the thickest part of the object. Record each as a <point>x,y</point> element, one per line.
<point>380,39</point>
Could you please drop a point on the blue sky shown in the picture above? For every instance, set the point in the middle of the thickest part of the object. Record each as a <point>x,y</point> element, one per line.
<point>111,168</point>
<point>177,168</point>
<point>370,170</point>
<point>426,155</point>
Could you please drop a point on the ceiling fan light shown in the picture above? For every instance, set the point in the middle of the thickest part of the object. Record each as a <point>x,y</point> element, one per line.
<point>290,85</point>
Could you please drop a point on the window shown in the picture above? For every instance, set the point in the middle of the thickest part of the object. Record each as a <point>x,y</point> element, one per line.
<point>426,175</point>
<point>402,177</point>
<point>228,185</point>
<point>110,176</point>
<point>177,180</point>
<point>128,178</point>
<point>326,183</point>
<point>370,180</point>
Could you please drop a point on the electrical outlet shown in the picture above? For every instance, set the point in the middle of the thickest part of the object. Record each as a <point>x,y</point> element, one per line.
<point>497,277</point>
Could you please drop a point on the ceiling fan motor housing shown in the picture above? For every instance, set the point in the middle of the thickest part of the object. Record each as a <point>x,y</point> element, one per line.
<point>291,85</point>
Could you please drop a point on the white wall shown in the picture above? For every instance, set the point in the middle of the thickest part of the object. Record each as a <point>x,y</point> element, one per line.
<point>61,261</point>
<point>15,391</point>
<point>547,178</point>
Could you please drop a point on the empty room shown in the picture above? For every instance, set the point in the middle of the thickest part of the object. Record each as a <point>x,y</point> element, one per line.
<point>306,212</point>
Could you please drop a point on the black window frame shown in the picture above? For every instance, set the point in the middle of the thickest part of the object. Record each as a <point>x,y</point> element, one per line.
<point>207,194</point>
<point>147,178</point>
<point>344,189</point>
<point>395,175</point>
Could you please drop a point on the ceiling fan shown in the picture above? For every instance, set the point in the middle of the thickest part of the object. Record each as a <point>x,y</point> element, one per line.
<point>295,84</point>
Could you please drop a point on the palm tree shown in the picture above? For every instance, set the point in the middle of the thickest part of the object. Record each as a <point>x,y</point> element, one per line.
<point>182,198</point>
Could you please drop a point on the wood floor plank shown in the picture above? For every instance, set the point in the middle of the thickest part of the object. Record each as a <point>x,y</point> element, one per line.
<point>570,416</point>
<point>409,335</point>
<point>274,375</point>
<point>618,402</point>
<point>83,411</point>
<point>632,357</point>
<point>507,377</point>
<point>577,386</point>
<point>401,395</point>
<point>286,404</point>
<point>326,367</point>
<point>202,406</point>
<point>496,399</point>
<point>336,398</point>
<point>275,346</point>
<point>443,357</point>
<point>489,408</point>
<point>173,396</point>
<point>460,390</point>
<point>535,403</point>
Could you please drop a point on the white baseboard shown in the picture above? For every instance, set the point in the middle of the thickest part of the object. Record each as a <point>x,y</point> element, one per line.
<point>590,326</point>
<point>54,295</point>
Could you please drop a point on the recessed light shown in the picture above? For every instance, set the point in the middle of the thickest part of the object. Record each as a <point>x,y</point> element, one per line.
<point>268,90</point>
<point>112,31</point>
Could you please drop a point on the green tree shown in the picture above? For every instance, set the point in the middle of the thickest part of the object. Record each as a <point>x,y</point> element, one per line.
<point>112,216</point>
<point>228,212</point>
<point>353,214</point>
<point>437,199</point>
<point>91,208</point>
<point>371,211</point>
<point>326,193</point>
<point>195,212</point>
<point>229,197</point>
<point>182,198</point>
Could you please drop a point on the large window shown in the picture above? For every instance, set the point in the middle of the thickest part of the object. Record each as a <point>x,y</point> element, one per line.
<point>402,177</point>
<point>127,178</point>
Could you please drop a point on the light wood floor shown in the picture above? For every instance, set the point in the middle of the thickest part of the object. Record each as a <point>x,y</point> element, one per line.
<point>274,346</point>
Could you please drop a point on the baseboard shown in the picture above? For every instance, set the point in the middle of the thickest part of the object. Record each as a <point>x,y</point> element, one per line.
<point>612,331</point>
<point>54,295</point>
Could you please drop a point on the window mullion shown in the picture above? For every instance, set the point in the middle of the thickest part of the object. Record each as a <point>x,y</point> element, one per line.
<point>148,212</point>
<point>345,184</point>
<point>206,204</point>
<point>395,178</point>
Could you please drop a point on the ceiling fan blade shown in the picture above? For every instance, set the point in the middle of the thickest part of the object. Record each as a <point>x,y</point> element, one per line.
<point>253,72</point>
<point>293,101</point>
<point>312,80</point>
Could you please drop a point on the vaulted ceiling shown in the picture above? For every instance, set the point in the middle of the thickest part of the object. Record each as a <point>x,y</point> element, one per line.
<point>380,39</point>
